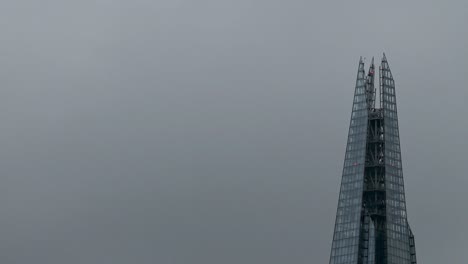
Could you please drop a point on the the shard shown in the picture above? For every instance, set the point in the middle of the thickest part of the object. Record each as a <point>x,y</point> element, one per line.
<point>371,225</point>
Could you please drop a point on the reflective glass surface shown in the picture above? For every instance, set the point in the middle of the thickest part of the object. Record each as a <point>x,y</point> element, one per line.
<point>398,248</point>
<point>371,243</point>
<point>376,230</point>
<point>345,245</point>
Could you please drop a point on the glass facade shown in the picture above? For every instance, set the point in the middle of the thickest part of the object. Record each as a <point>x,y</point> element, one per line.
<point>371,243</point>
<point>398,249</point>
<point>371,224</point>
<point>347,226</point>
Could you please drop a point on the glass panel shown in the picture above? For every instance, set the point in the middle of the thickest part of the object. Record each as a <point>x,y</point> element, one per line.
<point>345,244</point>
<point>397,228</point>
<point>371,243</point>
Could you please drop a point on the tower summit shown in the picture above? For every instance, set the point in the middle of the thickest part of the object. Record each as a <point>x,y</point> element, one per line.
<point>371,225</point>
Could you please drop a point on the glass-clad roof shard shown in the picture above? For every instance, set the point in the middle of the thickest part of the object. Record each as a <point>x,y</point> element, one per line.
<point>371,225</point>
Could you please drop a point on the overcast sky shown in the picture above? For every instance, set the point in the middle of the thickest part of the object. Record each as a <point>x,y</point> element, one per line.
<point>214,132</point>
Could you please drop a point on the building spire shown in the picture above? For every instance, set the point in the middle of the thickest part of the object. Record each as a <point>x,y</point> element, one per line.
<point>371,224</point>
<point>370,88</point>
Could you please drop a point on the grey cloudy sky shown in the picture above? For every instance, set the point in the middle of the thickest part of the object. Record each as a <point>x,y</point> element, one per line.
<point>211,131</point>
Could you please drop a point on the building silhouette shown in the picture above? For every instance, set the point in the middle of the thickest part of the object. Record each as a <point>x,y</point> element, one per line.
<point>371,225</point>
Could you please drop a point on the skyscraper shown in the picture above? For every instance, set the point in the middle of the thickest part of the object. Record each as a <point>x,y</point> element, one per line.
<point>371,225</point>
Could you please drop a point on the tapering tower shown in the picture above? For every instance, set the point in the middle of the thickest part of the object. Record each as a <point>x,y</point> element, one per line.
<point>371,225</point>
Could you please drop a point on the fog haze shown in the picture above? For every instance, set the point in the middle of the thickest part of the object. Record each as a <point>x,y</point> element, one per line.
<point>203,132</point>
